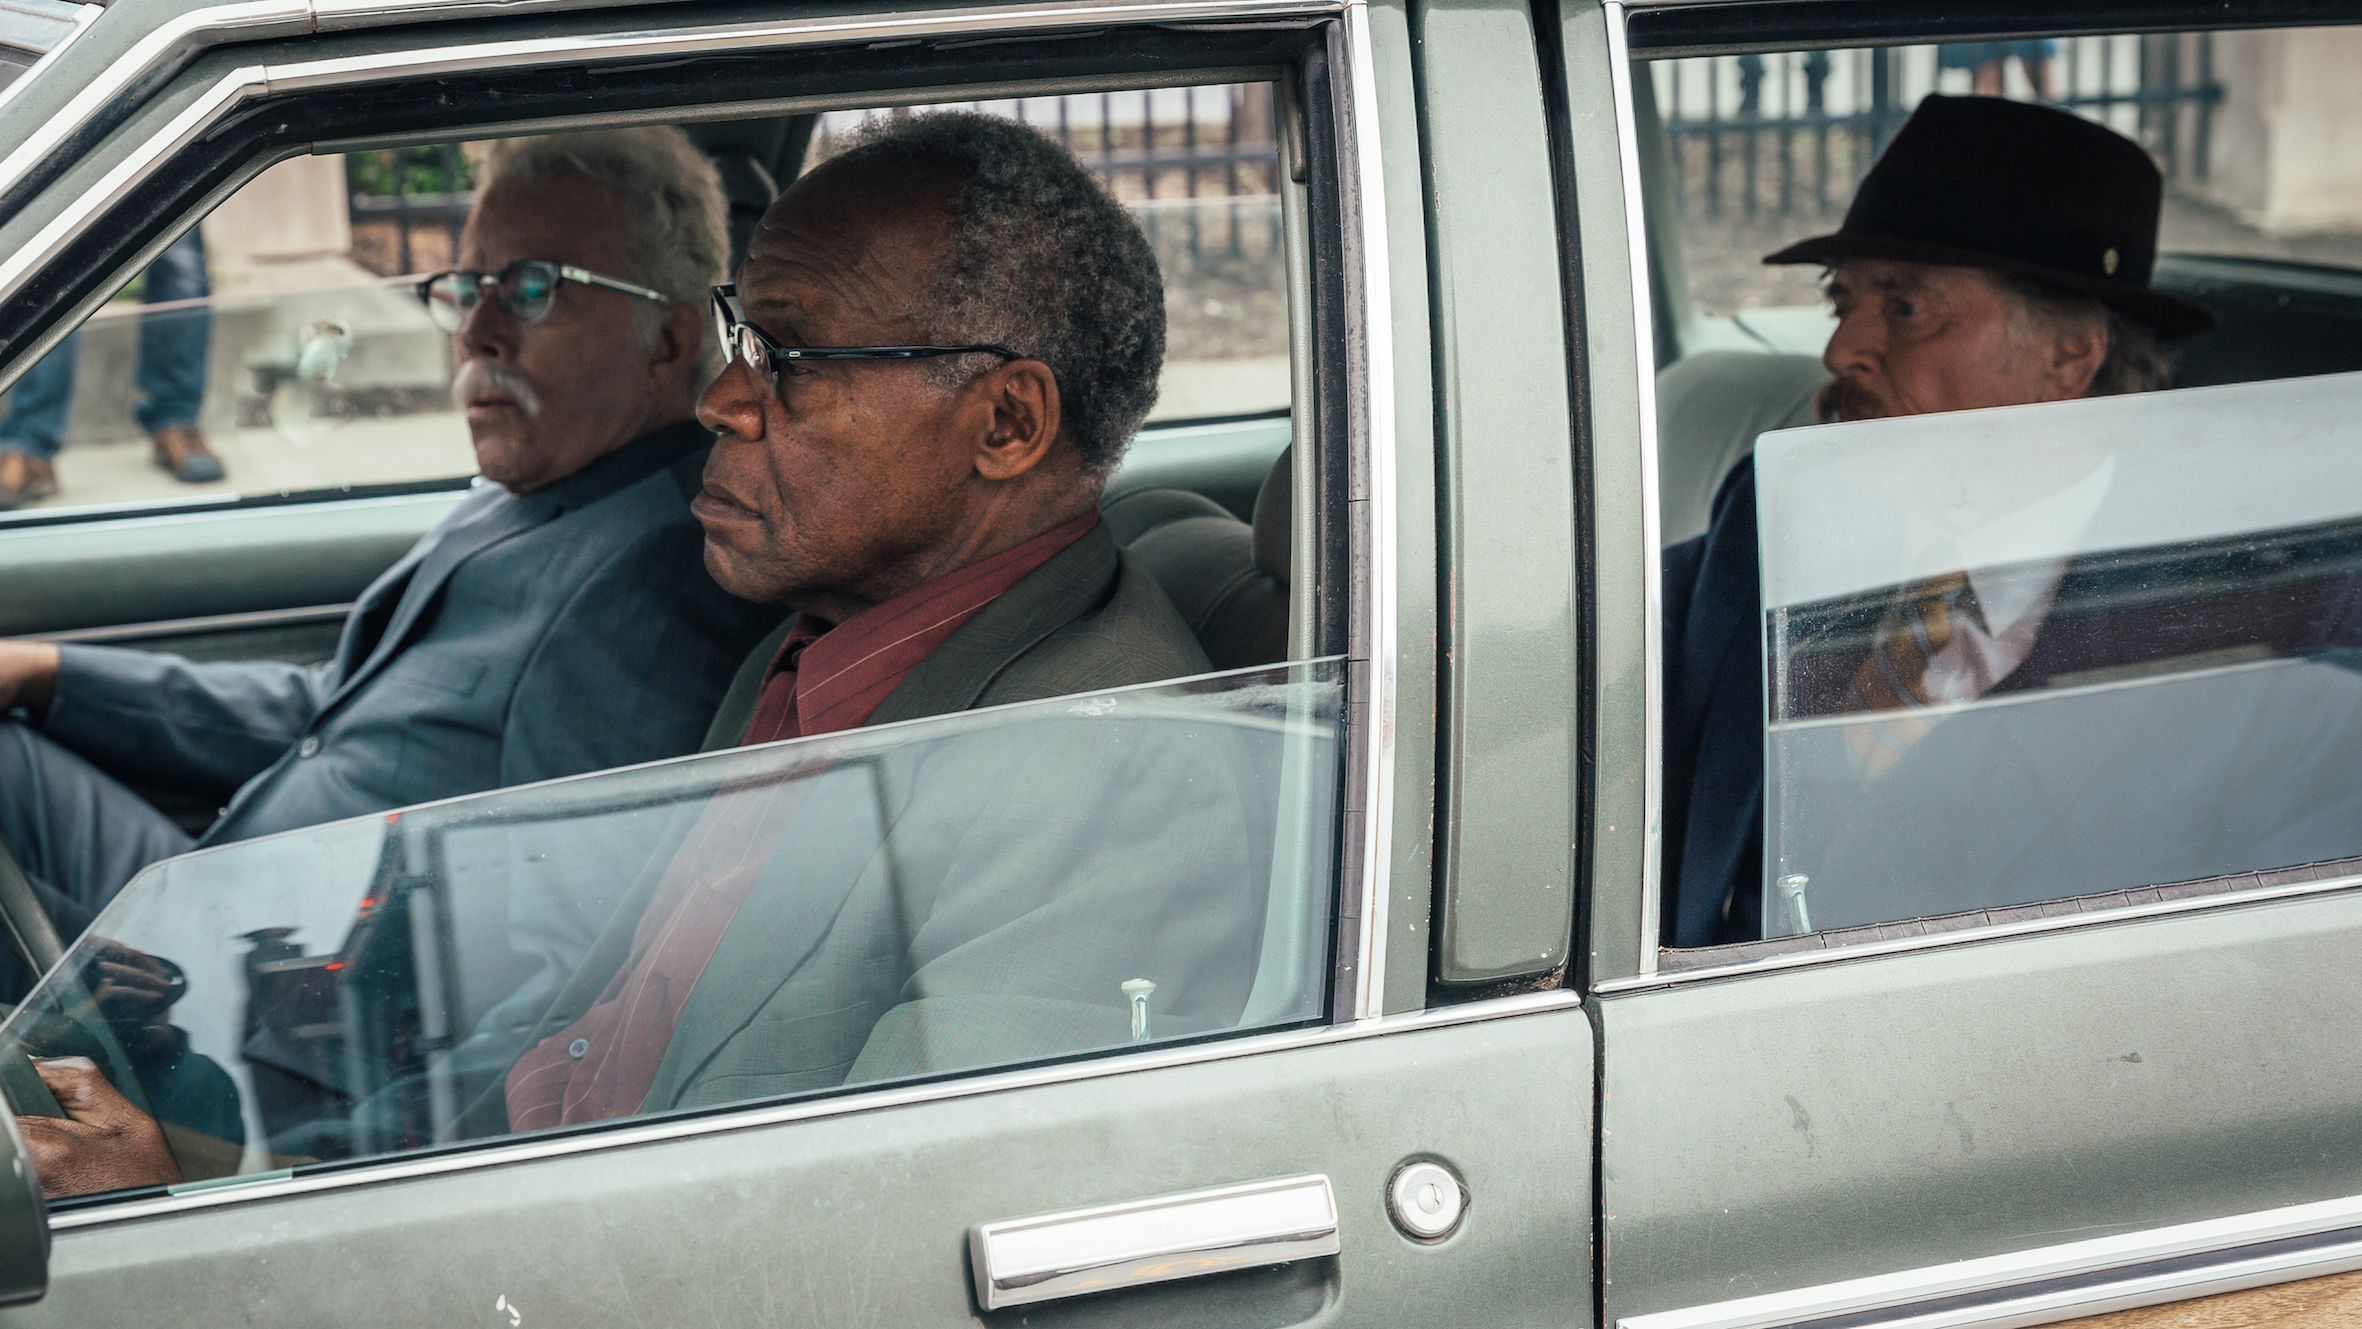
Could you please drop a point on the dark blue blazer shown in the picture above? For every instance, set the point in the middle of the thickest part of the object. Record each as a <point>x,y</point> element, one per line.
<point>1713,790</point>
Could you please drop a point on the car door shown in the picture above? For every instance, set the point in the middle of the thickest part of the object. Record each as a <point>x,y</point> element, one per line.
<point>1429,1038</point>
<point>2089,1057</point>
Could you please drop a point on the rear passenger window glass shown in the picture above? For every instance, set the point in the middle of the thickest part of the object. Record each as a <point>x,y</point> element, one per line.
<point>1937,657</point>
<point>2057,651</point>
<point>1080,875</point>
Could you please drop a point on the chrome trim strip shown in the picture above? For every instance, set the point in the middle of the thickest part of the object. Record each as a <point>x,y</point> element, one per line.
<point>445,60</point>
<point>1652,793</point>
<point>1908,1295</point>
<point>179,627</point>
<point>657,1132</point>
<point>84,16</point>
<point>171,41</point>
<point>1369,174</point>
<point>442,60</point>
<point>126,175</point>
<point>1019,1261</point>
<point>1871,950</point>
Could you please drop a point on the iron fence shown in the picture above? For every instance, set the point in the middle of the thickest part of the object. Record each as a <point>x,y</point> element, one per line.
<point>1198,143</point>
<point>404,188</point>
<point>1791,133</point>
<point>1164,144</point>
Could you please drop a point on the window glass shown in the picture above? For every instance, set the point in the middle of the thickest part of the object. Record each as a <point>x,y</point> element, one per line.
<point>1199,166</point>
<point>2000,482</point>
<point>2060,650</point>
<point>1768,147</point>
<point>1087,873</point>
<point>283,330</point>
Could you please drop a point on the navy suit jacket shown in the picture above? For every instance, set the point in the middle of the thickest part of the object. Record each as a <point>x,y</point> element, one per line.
<point>526,637</point>
<point>1713,790</point>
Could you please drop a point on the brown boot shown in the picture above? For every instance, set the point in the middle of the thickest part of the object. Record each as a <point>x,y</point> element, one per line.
<point>181,450</point>
<point>24,478</point>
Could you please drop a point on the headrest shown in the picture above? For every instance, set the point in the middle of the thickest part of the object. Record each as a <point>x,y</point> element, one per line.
<point>1274,518</point>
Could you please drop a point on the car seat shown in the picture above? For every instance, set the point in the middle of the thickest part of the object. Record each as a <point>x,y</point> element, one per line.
<point>1710,408</point>
<point>1229,579</point>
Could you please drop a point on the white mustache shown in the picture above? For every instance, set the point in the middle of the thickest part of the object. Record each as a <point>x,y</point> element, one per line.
<point>484,378</point>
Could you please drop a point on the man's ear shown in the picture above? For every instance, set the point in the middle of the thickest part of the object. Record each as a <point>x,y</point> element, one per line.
<point>2075,359</point>
<point>678,338</point>
<point>1023,420</point>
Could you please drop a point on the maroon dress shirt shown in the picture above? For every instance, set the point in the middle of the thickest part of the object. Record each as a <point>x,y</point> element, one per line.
<point>823,679</point>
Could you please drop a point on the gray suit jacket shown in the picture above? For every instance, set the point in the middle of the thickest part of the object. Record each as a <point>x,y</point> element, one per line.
<point>982,896</point>
<point>526,637</point>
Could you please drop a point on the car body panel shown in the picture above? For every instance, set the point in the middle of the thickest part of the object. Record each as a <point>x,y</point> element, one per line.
<point>861,1218</point>
<point>1506,840</point>
<point>1834,1121</point>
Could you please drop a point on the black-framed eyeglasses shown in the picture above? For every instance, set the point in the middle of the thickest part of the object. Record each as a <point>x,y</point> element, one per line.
<point>526,288</point>
<point>765,358</point>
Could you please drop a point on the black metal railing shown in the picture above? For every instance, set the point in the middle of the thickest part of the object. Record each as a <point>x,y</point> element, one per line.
<point>1213,142</point>
<point>394,191</point>
<point>1791,133</point>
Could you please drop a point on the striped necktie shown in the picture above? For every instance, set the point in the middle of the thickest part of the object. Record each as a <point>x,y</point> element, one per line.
<point>1890,688</point>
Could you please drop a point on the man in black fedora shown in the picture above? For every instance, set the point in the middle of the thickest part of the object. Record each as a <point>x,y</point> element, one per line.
<point>1998,254</point>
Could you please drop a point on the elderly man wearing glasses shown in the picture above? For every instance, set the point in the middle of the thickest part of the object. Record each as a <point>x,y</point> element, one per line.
<point>558,621</point>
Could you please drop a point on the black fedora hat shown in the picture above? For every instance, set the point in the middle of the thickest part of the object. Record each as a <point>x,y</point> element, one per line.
<point>1982,182</point>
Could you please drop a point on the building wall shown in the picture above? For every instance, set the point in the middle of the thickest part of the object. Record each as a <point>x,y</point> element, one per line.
<point>2287,149</point>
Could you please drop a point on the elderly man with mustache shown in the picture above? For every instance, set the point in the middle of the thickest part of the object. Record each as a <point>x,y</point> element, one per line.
<point>560,620</point>
<point>1998,254</point>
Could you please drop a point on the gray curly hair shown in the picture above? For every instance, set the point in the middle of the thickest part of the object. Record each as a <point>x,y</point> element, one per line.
<point>1044,261</point>
<point>676,220</point>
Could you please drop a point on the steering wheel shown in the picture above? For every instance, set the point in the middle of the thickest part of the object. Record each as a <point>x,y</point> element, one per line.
<point>27,924</point>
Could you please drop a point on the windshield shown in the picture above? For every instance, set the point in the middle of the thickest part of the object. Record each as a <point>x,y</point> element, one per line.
<point>2057,650</point>
<point>1011,885</point>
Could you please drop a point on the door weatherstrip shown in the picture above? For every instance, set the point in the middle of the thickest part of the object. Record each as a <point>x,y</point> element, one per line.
<point>655,1132</point>
<point>1368,998</point>
<point>1652,794</point>
<point>2065,1282</point>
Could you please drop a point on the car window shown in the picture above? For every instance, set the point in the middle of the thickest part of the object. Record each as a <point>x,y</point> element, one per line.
<point>277,348</point>
<point>1199,166</point>
<point>1932,654</point>
<point>1085,874</point>
<point>2063,650</point>
<point>1750,153</point>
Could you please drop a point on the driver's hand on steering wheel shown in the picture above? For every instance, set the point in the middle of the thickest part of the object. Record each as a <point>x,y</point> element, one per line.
<point>103,1143</point>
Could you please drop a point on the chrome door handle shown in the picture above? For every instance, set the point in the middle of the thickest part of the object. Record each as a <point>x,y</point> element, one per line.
<point>1022,1260</point>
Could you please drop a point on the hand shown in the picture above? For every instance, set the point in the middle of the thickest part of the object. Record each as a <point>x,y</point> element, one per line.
<point>135,992</point>
<point>28,674</point>
<point>103,1143</point>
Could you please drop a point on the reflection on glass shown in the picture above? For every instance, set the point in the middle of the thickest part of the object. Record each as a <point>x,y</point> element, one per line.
<point>2051,651</point>
<point>1027,883</point>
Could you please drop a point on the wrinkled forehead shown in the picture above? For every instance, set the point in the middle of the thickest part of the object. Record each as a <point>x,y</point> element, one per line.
<point>1855,275</point>
<point>562,218</point>
<point>865,239</point>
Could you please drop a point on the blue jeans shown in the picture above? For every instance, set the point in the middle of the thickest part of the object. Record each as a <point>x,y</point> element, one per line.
<point>1969,55</point>
<point>171,372</point>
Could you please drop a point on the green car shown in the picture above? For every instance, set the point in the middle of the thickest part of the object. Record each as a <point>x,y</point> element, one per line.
<point>1399,1007</point>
